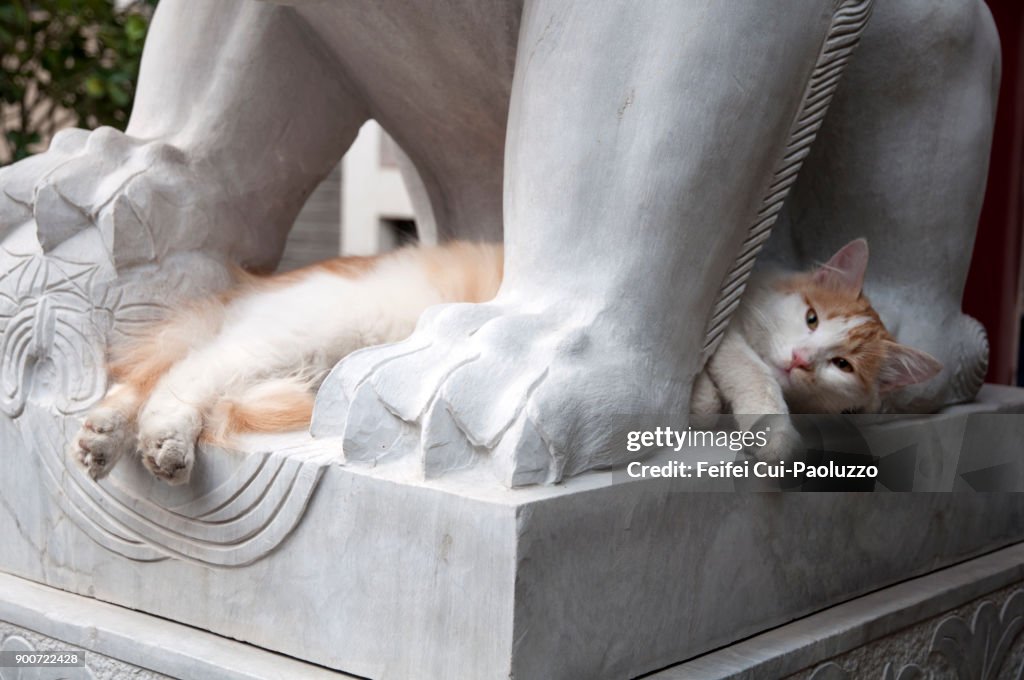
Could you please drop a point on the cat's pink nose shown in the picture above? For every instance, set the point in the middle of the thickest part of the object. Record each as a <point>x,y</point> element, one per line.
<point>799,360</point>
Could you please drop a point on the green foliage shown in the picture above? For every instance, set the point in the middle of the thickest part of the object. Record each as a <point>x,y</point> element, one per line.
<point>66,62</point>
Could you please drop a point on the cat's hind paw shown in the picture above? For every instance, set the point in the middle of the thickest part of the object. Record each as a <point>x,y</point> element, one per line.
<point>105,436</point>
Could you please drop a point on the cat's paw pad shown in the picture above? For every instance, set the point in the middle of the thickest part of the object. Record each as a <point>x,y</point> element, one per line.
<point>169,458</point>
<point>105,436</point>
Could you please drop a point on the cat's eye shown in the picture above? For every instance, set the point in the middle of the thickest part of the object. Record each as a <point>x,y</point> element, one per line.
<point>842,364</point>
<point>812,318</point>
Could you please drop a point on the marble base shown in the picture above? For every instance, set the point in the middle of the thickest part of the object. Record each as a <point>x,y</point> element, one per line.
<point>965,621</point>
<point>931,626</point>
<point>120,643</point>
<point>370,571</point>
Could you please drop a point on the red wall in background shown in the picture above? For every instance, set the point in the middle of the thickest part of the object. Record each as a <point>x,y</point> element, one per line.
<point>993,285</point>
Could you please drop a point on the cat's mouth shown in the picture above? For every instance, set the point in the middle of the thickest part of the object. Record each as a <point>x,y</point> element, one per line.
<point>783,375</point>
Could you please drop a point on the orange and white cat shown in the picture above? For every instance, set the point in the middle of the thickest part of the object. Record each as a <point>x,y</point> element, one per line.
<point>807,343</point>
<point>252,358</point>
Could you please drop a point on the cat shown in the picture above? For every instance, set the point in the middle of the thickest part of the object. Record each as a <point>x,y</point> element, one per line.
<point>251,359</point>
<point>807,343</point>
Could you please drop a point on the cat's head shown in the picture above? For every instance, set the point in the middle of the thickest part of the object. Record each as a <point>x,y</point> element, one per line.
<point>827,345</point>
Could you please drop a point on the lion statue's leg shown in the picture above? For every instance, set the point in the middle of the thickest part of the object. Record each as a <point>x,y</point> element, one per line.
<point>437,77</point>
<point>238,116</point>
<point>648,146</point>
<point>902,159</point>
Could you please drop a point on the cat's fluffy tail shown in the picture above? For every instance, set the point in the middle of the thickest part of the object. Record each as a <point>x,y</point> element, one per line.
<point>272,406</point>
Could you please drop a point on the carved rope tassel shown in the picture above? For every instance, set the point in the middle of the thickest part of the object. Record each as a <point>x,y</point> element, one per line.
<point>844,33</point>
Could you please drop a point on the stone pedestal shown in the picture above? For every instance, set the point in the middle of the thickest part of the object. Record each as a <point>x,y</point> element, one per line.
<point>368,571</point>
<point>965,621</point>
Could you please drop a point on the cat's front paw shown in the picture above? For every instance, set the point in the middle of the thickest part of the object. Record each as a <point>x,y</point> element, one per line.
<point>105,436</point>
<point>170,459</point>
<point>783,441</point>
<point>167,443</point>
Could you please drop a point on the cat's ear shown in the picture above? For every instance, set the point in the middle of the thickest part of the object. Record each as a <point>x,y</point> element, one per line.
<point>905,366</point>
<point>844,271</point>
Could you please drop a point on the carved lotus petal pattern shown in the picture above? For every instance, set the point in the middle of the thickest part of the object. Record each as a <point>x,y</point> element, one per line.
<point>51,336</point>
<point>909,672</point>
<point>833,671</point>
<point>55,318</point>
<point>830,671</point>
<point>978,650</point>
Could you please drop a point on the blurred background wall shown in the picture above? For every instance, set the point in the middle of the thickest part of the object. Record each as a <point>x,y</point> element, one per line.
<point>994,286</point>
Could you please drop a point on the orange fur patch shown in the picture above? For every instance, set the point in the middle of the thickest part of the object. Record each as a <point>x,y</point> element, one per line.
<point>282,415</point>
<point>263,408</point>
<point>462,271</point>
<point>465,272</point>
